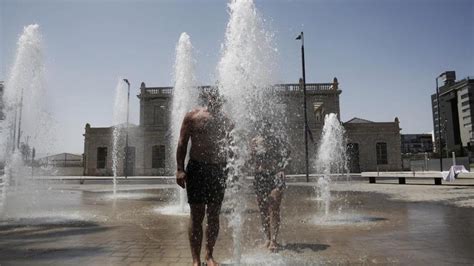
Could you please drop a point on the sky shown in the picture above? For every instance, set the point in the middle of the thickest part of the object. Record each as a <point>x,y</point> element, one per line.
<point>386,54</point>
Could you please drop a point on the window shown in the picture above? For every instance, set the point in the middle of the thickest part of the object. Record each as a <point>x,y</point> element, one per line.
<point>158,115</point>
<point>101,157</point>
<point>464,96</point>
<point>318,110</point>
<point>158,156</point>
<point>381,148</point>
<point>465,103</point>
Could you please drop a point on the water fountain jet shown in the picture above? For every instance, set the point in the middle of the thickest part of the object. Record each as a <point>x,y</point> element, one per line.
<point>120,114</point>
<point>331,157</point>
<point>185,98</point>
<point>246,72</point>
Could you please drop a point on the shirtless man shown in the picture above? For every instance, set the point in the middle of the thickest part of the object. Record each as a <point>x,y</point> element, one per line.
<point>205,174</point>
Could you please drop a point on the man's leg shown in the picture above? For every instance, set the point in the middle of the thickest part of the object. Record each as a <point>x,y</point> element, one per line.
<point>195,231</point>
<point>275,202</point>
<point>212,230</point>
<point>263,205</point>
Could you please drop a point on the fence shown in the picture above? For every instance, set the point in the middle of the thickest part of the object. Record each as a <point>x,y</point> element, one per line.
<point>432,164</point>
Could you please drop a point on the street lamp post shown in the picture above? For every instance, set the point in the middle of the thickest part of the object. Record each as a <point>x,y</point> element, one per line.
<point>33,153</point>
<point>126,133</point>
<point>439,127</point>
<point>445,126</point>
<point>301,37</point>
<point>20,107</point>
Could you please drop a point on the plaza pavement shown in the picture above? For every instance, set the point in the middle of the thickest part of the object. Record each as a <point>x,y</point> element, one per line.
<point>370,224</point>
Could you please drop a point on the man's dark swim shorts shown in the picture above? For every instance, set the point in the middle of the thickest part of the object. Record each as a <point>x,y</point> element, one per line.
<point>205,183</point>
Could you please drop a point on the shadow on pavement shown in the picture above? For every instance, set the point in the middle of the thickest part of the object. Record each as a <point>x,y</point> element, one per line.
<point>48,253</point>
<point>40,233</point>
<point>36,228</point>
<point>301,247</point>
<point>247,211</point>
<point>24,239</point>
<point>42,223</point>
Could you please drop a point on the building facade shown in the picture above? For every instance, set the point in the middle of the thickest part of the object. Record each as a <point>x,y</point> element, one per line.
<point>149,142</point>
<point>453,123</point>
<point>417,143</point>
<point>373,146</point>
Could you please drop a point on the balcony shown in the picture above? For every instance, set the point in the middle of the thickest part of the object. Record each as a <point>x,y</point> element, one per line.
<point>279,88</point>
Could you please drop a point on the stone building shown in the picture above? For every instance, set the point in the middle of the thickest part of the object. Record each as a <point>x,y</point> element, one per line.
<point>373,146</point>
<point>149,142</point>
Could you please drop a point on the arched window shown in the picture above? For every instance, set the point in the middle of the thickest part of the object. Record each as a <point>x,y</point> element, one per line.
<point>318,110</point>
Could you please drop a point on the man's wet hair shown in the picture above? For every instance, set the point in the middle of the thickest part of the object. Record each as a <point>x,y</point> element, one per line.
<point>214,94</point>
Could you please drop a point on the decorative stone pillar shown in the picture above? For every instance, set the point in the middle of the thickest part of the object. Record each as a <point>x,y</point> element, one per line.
<point>335,84</point>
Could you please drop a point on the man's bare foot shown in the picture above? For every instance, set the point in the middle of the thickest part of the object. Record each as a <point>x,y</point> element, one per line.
<point>274,246</point>
<point>211,262</point>
<point>196,263</point>
<point>266,244</point>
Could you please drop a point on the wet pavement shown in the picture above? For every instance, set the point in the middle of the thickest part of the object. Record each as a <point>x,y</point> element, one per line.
<point>62,224</point>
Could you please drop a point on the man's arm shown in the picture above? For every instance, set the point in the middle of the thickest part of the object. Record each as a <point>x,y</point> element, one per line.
<point>185,134</point>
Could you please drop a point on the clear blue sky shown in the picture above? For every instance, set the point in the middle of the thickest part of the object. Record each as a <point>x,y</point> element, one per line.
<point>385,53</point>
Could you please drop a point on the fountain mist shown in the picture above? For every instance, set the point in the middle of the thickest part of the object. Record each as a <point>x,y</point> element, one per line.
<point>26,124</point>
<point>331,156</point>
<point>24,98</point>
<point>245,74</point>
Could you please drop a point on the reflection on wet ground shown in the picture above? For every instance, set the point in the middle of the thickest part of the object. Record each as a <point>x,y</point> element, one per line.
<point>81,225</point>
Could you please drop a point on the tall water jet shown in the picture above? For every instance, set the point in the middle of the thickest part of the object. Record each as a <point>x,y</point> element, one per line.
<point>26,124</point>
<point>120,124</point>
<point>185,98</point>
<point>245,73</point>
<point>331,157</point>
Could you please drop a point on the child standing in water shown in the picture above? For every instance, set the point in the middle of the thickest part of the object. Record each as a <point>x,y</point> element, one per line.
<point>269,157</point>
